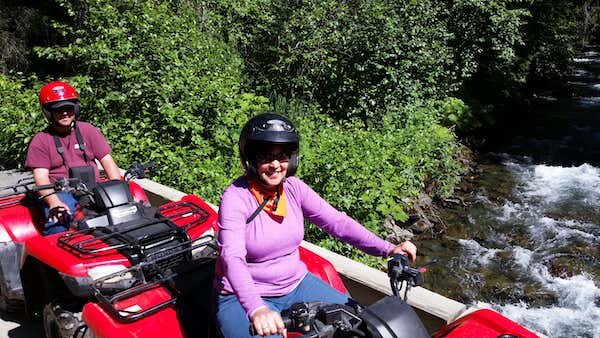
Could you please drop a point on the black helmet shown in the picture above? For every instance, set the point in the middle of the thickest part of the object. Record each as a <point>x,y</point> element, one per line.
<point>268,129</point>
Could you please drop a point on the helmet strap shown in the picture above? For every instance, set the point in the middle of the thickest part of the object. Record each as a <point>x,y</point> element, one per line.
<point>61,129</point>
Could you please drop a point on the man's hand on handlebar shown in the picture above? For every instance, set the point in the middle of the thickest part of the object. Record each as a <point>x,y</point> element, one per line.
<point>59,211</point>
<point>267,322</point>
<point>406,248</point>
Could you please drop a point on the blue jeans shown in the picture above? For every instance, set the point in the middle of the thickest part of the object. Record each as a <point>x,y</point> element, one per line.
<point>232,318</point>
<point>52,227</point>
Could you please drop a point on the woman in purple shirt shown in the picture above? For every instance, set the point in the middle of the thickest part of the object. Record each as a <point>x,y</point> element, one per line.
<point>261,218</point>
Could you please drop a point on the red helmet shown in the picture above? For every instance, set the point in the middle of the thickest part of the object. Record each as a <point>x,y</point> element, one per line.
<point>58,94</point>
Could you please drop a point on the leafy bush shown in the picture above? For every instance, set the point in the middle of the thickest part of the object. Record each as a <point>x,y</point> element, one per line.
<point>355,59</point>
<point>161,89</point>
<point>370,174</point>
<point>550,47</point>
<point>21,119</point>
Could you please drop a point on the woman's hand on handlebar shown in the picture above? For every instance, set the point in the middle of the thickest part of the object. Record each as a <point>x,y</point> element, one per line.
<point>406,248</point>
<point>267,322</point>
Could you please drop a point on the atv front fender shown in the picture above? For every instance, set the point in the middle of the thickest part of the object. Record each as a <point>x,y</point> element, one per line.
<point>164,323</point>
<point>18,217</point>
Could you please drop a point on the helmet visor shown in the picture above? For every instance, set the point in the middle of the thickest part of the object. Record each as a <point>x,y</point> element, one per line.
<point>60,105</point>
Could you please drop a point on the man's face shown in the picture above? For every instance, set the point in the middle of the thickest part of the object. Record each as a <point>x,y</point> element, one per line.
<point>63,116</point>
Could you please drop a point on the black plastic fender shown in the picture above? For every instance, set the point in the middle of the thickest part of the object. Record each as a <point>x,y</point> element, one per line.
<point>391,317</point>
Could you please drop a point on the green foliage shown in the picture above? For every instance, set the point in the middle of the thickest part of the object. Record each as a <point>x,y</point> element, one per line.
<point>161,89</point>
<point>551,47</point>
<point>363,59</point>
<point>455,113</point>
<point>21,118</point>
<point>371,174</point>
<point>355,59</point>
<point>486,33</point>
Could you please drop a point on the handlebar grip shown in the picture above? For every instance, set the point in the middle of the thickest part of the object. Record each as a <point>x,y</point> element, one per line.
<point>43,187</point>
<point>149,165</point>
<point>287,322</point>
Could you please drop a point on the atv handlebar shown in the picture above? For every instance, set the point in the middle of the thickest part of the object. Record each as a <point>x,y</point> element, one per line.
<point>138,170</point>
<point>62,184</point>
<point>324,320</point>
<point>401,273</point>
<point>320,320</point>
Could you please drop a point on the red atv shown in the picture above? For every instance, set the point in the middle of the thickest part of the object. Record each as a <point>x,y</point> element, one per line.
<point>117,231</point>
<point>188,311</point>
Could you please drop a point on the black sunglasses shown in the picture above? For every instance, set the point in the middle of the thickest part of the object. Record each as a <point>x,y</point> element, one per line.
<point>281,156</point>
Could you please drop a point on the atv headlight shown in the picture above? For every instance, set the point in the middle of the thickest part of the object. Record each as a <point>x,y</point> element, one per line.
<point>114,277</point>
<point>80,286</point>
<point>199,246</point>
<point>98,272</point>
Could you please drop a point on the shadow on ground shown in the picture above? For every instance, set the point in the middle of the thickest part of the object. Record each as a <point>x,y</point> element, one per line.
<point>13,325</point>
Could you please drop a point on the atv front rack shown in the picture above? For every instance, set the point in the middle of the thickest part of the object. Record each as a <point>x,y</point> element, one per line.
<point>103,240</point>
<point>183,216</point>
<point>144,297</point>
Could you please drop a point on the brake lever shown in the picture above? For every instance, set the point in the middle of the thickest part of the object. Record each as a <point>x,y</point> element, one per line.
<point>148,166</point>
<point>423,268</point>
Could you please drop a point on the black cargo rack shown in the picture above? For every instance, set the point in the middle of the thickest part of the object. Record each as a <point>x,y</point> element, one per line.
<point>102,237</point>
<point>164,279</point>
<point>200,214</point>
<point>114,237</point>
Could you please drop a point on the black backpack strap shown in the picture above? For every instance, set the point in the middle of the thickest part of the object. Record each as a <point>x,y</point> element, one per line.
<point>60,149</point>
<point>59,146</point>
<point>80,142</point>
<point>258,210</point>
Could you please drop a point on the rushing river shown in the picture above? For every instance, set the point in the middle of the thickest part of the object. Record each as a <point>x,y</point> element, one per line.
<point>528,238</point>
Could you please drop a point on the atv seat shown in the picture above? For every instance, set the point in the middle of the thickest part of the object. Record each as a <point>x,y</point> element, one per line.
<point>115,203</point>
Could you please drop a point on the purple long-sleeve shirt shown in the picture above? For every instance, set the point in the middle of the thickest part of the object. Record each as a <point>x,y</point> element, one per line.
<point>261,258</point>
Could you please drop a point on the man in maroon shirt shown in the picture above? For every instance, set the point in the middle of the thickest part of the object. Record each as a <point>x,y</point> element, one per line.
<point>66,147</point>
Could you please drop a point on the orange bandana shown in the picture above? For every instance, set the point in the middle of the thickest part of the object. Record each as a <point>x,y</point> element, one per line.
<point>275,206</point>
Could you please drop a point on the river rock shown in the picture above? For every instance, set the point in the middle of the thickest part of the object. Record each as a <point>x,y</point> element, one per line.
<point>395,233</point>
<point>421,226</point>
<point>564,267</point>
<point>537,296</point>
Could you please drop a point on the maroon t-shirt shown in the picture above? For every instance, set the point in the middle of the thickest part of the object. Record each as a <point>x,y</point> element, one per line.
<point>42,152</point>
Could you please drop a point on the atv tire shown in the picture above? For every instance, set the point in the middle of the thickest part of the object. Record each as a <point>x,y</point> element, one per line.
<point>16,301</point>
<point>61,323</point>
<point>9,304</point>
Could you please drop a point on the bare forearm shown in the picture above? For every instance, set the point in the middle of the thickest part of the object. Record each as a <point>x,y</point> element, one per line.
<point>42,177</point>
<point>110,168</point>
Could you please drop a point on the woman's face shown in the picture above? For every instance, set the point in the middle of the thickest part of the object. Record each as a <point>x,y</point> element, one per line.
<point>272,164</point>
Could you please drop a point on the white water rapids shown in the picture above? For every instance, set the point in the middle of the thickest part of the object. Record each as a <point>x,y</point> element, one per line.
<point>544,237</point>
<point>541,190</point>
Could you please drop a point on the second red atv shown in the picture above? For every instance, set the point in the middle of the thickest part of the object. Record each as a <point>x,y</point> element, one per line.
<point>52,277</point>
